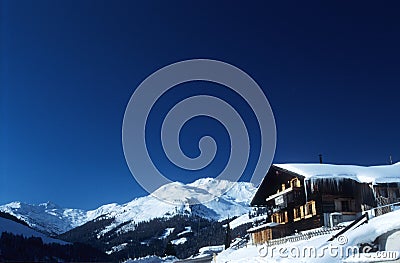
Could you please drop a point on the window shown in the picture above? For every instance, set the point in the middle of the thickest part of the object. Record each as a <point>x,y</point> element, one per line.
<point>296,212</point>
<point>276,218</point>
<point>280,217</point>
<point>328,207</point>
<point>295,182</point>
<point>345,206</point>
<point>310,208</point>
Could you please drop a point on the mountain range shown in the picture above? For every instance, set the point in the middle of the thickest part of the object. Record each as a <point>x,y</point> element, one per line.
<point>53,220</point>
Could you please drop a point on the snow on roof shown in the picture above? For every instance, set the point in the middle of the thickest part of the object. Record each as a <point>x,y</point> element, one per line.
<point>244,219</point>
<point>362,174</point>
<point>253,229</point>
<point>211,249</point>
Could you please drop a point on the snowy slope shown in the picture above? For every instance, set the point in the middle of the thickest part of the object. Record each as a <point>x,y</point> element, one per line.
<point>51,219</point>
<point>153,259</point>
<point>234,202</point>
<point>288,252</point>
<point>10,226</point>
<point>46,217</point>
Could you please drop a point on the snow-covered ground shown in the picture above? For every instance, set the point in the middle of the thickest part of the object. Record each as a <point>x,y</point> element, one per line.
<point>153,259</point>
<point>116,248</point>
<point>318,248</point>
<point>188,229</point>
<point>168,231</point>
<point>15,228</point>
<point>179,241</point>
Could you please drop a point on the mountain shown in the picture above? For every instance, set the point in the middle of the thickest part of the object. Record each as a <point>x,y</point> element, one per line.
<point>20,243</point>
<point>188,200</point>
<point>47,217</point>
<point>9,225</point>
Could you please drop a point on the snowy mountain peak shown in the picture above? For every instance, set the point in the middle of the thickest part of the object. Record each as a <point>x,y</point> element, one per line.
<point>46,217</point>
<point>197,198</point>
<point>49,205</point>
<point>14,205</point>
<point>202,191</point>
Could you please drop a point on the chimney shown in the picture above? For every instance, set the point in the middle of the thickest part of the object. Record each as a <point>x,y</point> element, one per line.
<point>320,158</point>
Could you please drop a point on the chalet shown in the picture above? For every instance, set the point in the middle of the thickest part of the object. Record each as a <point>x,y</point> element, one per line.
<point>298,197</point>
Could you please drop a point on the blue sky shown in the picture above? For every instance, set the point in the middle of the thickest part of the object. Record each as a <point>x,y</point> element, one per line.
<point>330,71</point>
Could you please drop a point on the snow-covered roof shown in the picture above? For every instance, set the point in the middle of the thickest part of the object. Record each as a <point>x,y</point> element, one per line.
<point>270,224</point>
<point>362,174</point>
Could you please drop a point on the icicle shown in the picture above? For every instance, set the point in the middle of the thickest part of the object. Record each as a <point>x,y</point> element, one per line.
<point>337,181</point>
<point>374,192</point>
<point>312,186</point>
<point>305,189</point>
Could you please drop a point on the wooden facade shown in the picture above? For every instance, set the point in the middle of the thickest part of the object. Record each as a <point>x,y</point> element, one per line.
<point>267,231</point>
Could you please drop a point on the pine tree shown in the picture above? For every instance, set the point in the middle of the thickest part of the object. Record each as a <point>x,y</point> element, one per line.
<point>228,236</point>
<point>170,249</point>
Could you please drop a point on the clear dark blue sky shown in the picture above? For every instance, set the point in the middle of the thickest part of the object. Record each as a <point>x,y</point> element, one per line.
<point>330,69</point>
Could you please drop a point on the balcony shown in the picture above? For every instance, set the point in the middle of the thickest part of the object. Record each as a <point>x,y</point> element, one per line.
<point>293,184</point>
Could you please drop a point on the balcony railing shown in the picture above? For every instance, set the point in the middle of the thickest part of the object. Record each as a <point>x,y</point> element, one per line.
<point>303,236</point>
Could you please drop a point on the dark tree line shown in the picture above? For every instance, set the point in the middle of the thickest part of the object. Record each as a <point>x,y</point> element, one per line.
<point>12,218</point>
<point>146,239</point>
<point>14,248</point>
